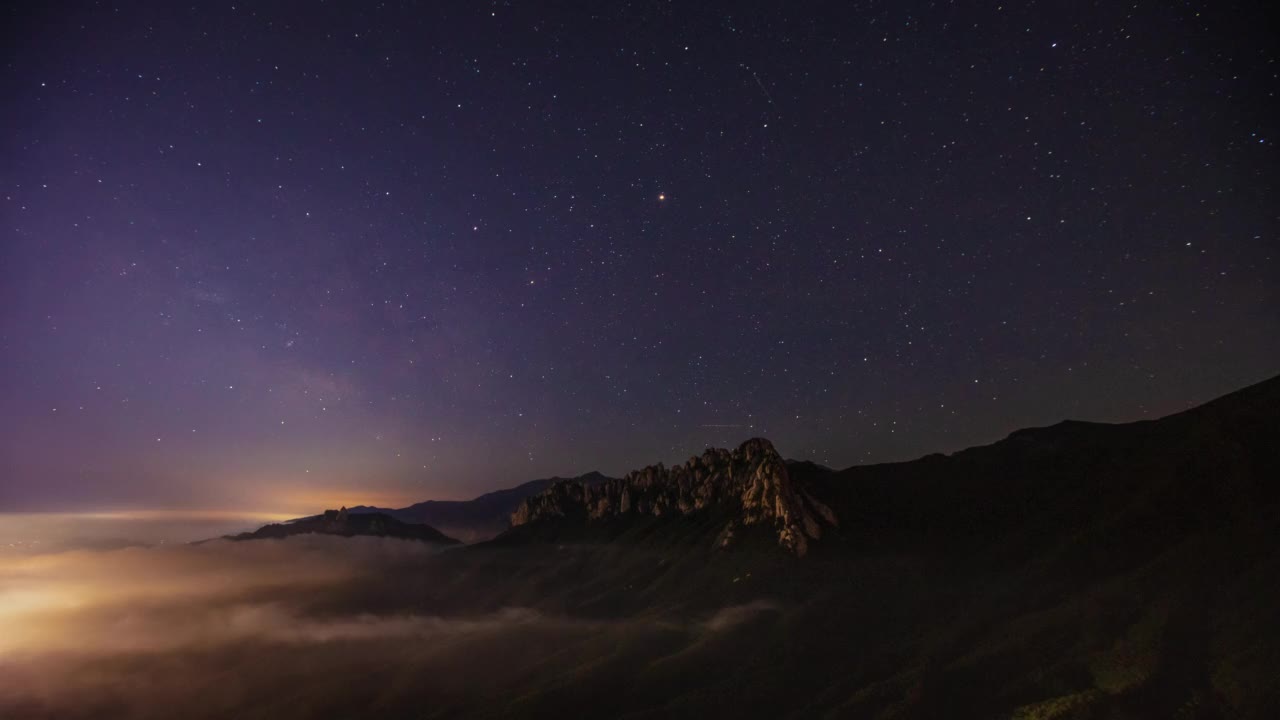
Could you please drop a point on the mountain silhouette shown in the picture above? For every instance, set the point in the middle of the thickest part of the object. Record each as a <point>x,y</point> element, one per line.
<point>345,523</point>
<point>475,520</point>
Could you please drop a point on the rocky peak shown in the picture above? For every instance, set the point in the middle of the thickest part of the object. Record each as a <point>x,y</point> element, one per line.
<point>751,481</point>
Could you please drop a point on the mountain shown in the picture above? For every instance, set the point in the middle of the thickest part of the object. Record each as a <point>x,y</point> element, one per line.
<point>750,486</point>
<point>347,524</point>
<point>1077,571</point>
<point>1174,474</point>
<point>1122,490</point>
<point>478,519</point>
<point>1081,570</point>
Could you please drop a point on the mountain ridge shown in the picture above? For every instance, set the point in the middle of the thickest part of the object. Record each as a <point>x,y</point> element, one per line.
<point>345,523</point>
<point>751,483</point>
<point>956,488</point>
<point>476,520</point>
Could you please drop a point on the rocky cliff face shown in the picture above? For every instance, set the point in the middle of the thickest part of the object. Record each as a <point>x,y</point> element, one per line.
<point>751,482</point>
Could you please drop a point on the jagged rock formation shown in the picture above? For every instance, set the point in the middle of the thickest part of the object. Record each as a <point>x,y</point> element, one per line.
<point>752,482</point>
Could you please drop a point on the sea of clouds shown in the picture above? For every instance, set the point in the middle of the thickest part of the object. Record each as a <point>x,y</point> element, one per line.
<point>302,627</point>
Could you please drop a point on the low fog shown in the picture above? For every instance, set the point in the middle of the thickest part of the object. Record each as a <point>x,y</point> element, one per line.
<point>303,627</point>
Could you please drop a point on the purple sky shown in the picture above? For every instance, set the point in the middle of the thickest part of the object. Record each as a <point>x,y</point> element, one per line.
<point>290,257</point>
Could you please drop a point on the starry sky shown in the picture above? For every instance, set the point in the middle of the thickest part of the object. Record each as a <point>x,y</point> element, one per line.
<point>289,255</point>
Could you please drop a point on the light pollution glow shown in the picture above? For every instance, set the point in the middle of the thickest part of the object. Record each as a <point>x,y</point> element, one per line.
<point>52,531</point>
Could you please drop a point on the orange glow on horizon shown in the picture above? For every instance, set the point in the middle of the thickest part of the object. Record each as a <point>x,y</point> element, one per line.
<point>309,501</point>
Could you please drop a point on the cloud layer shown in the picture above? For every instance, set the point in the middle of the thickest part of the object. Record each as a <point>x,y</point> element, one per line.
<point>236,628</point>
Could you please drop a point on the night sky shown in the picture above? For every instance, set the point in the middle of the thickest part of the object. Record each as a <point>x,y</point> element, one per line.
<point>291,255</point>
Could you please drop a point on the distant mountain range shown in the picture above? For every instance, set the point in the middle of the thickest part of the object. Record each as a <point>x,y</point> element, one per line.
<point>475,520</point>
<point>348,524</point>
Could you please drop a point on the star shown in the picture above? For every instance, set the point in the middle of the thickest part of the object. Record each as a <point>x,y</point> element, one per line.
<point>764,292</point>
